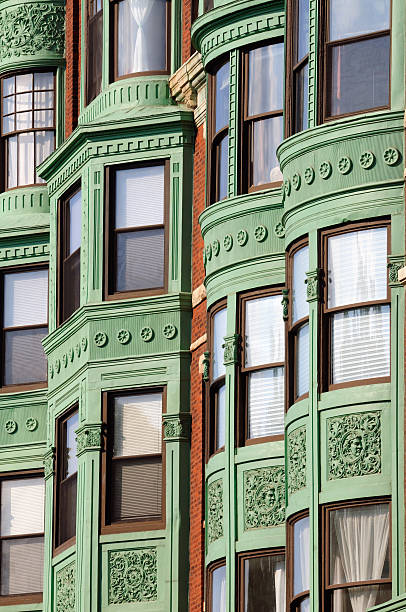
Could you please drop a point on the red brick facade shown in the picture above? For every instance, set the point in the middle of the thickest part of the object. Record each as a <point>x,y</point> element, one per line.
<point>72,82</point>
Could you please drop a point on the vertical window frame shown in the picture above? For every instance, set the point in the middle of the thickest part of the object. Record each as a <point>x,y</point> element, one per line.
<point>91,18</point>
<point>214,138</point>
<point>293,67</point>
<point>253,554</point>
<point>209,581</point>
<point>212,388</point>
<point>293,601</point>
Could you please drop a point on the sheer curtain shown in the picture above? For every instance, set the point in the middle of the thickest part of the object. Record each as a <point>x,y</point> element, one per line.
<point>280,577</point>
<point>362,536</point>
<point>301,546</point>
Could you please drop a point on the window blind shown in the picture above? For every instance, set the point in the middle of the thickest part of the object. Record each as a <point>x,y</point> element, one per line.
<point>137,425</point>
<point>140,196</point>
<point>20,311</point>
<point>264,331</point>
<point>22,563</point>
<point>16,497</point>
<point>266,402</point>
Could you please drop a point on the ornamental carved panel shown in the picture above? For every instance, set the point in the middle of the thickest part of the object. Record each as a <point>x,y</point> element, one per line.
<point>354,445</point>
<point>215,528</point>
<point>65,588</point>
<point>296,460</point>
<point>133,575</point>
<point>264,497</point>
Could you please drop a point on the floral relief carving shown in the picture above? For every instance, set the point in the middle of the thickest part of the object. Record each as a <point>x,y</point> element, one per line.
<point>31,424</point>
<point>242,237</point>
<point>49,462</point>
<point>325,170</point>
<point>228,242</point>
<point>216,247</point>
<point>10,426</point>
<point>394,268</point>
<point>231,346</point>
<point>264,497</point>
<point>344,165</point>
<point>312,282</point>
<point>287,186</point>
<point>391,156</point>
<point>123,336</point>
<point>177,428</point>
<point>133,575</point>
<point>367,160</point>
<point>88,438</point>
<point>65,588</point>
<point>296,180</point>
<point>296,460</point>
<point>279,230</point>
<point>260,233</point>
<point>100,339</point>
<point>169,331</point>
<point>147,333</point>
<point>309,175</point>
<point>354,445</point>
<point>215,511</point>
<point>208,252</point>
<point>31,28</point>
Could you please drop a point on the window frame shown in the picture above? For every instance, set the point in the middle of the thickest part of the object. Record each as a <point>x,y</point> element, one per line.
<point>293,601</point>
<point>4,137</point>
<point>253,554</point>
<point>324,54</point>
<point>107,526</point>
<point>214,139</point>
<point>110,257</point>
<point>247,121</point>
<point>212,387</point>
<point>243,372</point>
<point>15,388</point>
<point>326,510</point>
<point>63,221</point>
<point>326,313</point>
<point>88,21</point>
<point>60,445</point>
<point>293,67</point>
<point>209,581</point>
<point>113,54</point>
<point>24,598</point>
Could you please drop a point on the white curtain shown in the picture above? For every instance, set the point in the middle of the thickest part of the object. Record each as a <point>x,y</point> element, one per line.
<point>362,536</point>
<point>140,10</point>
<point>280,576</point>
<point>301,558</point>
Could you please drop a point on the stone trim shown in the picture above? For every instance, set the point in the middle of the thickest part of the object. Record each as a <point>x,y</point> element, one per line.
<point>187,87</point>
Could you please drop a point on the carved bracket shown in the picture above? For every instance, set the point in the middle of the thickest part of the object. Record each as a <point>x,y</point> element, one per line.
<point>206,366</point>
<point>285,304</point>
<point>232,347</point>
<point>88,438</point>
<point>49,463</point>
<point>396,262</point>
<point>313,285</point>
<point>177,427</point>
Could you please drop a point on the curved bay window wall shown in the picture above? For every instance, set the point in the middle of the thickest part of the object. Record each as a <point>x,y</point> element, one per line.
<point>141,37</point>
<point>297,83</point>
<point>216,393</point>
<point>28,125</point>
<point>298,538</point>
<point>94,39</point>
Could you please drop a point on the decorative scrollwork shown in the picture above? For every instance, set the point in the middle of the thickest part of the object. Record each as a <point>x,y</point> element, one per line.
<point>215,528</point>
<point>177,427</point>
<point>133,575</point>
<point>31,424</point>
<point>123,336</point>
<point>88,438</point>
<point>206,366</point>
<point>367,160</point>
<point>285,304</point>
<point>65,588</point>
<point>260,233</point>
<point>325,170</point>
<point>279,230</point>
<point>147,333</point>
<point>100,339</point>
<point>296,460</point>
<point>264,497</point>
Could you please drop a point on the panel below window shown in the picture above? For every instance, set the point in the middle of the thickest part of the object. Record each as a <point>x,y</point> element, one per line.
<point>137,489</point>
<point>140,260</point>
<point>22,562</point>
<point>266,403</point>
<point>25,360</point>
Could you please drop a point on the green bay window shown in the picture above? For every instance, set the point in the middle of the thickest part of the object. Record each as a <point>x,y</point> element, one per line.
<point>216,395</point>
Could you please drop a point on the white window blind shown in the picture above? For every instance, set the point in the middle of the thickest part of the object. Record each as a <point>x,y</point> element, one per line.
<point>299,293</point>
<point>140,196</point>
<point>266,402</point>
<point>22,566</point>
<point>264,331</point>
<point>26,298</point>
<point>22,506</point>
<point>138,425</point>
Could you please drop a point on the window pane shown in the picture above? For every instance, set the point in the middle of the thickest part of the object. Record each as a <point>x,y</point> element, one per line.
<point>16,496</point>
<point>75,221</point>
<point>8,105</point>
<point>265,82</point>
<point>301,556</point>
<point>357,267</point>
<point>349,18</point>
<point>19,311</point>
<point>8,86</point>
<point>71,462</point>
<point>23,82</point>
<point>137,425</point>
<point>267,135</point>
<point>304,605</point>
<point>218,589</point>
<point>23,102</point>
<point>67,509</point>
<point>71,284</point>
<point>219,331</point>
<point>266,403</point>
<point>141,36</point>
<point>8,124</point>
<point>359,544</point>
<point>302,360</point>
<point>140,260</point>
<point>22,566</point>
<point>359,76</point>
<point>43,99</point>
<point>360,344</point>
<point>43,119</point>
<point>222,179</point>
<point>299,293</point>
<point>43,80</point>
<point>23,121</point>
<point>12,161</point>
<point>302,99</point>
<point>302,29</point>
<point>264,587</point>
<point>264,340</point>
<point>26,158</point>
<point>221,417</point>
<point>25,360</point>
<point>140,196</point>
<point>137,489</point>
<point>360,598</point>
<point>44,145</point>
<point>222,96</point>
<point>95,55</point>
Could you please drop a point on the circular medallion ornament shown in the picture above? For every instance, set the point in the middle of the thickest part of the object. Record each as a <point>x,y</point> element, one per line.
<point>352,446</point>
<point>31,424</point>
<point>367,160</point>
<point>266,498</point>
<point>286,186</point>
<point>391,156</point>
<point>71,354</point>
<point>279,230</point>
<point>215,247</point>
<point>208,252</point>
<point>100,339</point>
<point>78,350</point>
<point>169,331</point>
<point>204,257</point>
<point>51,370</point>
<point>242,237</point>
<point>65,360</point>
<point>84,344</point>
<point>57,366</point>
<point>147,333</point>
<point>10,426</point>
<point>325,170</point>
<point>296,180</point>
<point>309,175</point>
<point>344,165</point>
<point>228,242</point>
<point>260,233</point>
<point>123,336</point>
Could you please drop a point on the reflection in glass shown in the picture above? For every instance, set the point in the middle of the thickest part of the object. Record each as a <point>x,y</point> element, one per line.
<point>299,294</point>
<point>71,462</point>
<point>301,556</point>
<point>302,30</point>
<point>302,360</point>
<point>301,85</point>
<point>267,135</point>
<point>264,583</point>
<point>349,18</point>
<point>219,331</point>
<point>265,82</point>
<point>223,168</point>
<point>218,589</point>
<point>264,331</point>
<point>222,97</point>
<point>221,417</point>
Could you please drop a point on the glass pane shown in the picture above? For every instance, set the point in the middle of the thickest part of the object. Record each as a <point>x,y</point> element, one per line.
<point>360,344</point>
<point>71,462</point>
<point>302,99</point>
<point>267,135</point>
<point>140,196</point>
<point>16,496</point>
<point>26,158</point>
<point>23,82</point>
<point>302,360</point>
<point>137,424</point>
<point>8,124</point>
<point>359,544</point>
<point>43,99</point>
<point>67,501</point>
<point>18,310</point>
<point>302,29</point>
<point>359,76</point>
<point>95,53</point>
<point>8,86</point>
<point>221,417</point>
<point>219,331</point>
<point>44,145</point>
<point>24,121</point>
<point>357,267</point>
<point>140,260</point>
<point>264,584</point>
<point>349,18</point>
<point>24,357</point>
<point>264,340</point>
<point>43,119</point>
<point>12,161</point>
<point>23,102</point>
<point>75,221</point>
<point>301,556</point>
<point>304,605</point>
<point>137,489</point>
<point>222,151</point>
<point>266,403</point>
<point>222,96</point>
<point>218,589</point>
<point>22,566</point>
<point>141,35</point>
<point>360,598</point>
<point>8,105</point>
<point>299,288</point>
<point>43,80</point>
<point>71,285</point>
<point>265,81</point>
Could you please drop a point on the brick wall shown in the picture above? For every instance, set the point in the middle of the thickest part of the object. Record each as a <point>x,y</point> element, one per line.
<point>72,85</point>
